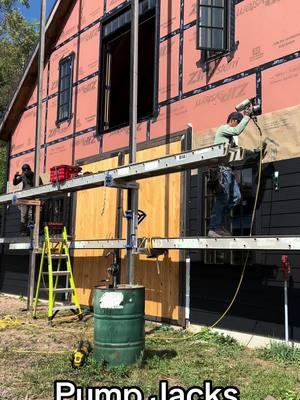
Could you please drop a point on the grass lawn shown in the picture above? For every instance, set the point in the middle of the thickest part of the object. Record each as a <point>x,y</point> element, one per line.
<point>34,355</point>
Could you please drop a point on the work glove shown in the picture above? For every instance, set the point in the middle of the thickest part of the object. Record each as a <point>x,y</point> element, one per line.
<point>248,112</point>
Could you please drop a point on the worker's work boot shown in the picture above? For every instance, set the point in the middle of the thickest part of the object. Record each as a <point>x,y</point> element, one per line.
<point>225,232</point>
<point>216,233</point>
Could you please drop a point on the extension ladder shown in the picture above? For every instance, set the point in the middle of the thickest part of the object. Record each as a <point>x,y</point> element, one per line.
<point>55,248</point>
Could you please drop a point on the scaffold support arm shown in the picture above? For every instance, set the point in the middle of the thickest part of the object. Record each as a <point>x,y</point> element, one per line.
<point>121,176</point>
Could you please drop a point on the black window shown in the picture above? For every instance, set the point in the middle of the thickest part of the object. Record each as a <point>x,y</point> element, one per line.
<point>216,26</point>
<point>57,210</point>
<point>65,89</point>
<point>114,90</point>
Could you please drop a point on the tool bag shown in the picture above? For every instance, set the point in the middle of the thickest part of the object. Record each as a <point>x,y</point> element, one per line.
<point>215,180</point>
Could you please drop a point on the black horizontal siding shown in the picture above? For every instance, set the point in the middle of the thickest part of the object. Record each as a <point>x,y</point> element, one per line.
<point>287,192</point>
<point>14,265</point>
<point>281,221</point>
<point>279,208</point>
<point>12,222</point>
<point>258,308</point>
<point>286,179</point>
<point>14,274</point>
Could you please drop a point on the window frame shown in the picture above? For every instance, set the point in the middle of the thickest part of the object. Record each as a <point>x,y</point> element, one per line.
<point>102,61</point>
<point>64,214</point>
<point>229,29</point>
<point>226,257</point>
<point>70,58</point>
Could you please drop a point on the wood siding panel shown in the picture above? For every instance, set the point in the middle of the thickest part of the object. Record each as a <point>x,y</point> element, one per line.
<point>159,198</point>
<point>95,219</point>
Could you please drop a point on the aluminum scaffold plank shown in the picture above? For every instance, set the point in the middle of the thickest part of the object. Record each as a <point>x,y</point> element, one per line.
<point>124,175</point>
<point>98,244</point>
<point>274,243</point>
<point>16,240</point>
<point>101,244</point>
<point>266,243</point>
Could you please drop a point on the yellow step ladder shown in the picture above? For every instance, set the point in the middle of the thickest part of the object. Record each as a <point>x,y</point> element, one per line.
<point>56,251</point>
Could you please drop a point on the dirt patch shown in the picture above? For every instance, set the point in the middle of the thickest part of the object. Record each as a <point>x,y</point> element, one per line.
<point>23,340</point>
<point>11,306</point>
<point>34,355</point>
<point>18,330</point>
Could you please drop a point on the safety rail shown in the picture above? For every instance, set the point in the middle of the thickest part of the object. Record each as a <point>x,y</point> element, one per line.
<point>266,243</point>
<point>124,175</point>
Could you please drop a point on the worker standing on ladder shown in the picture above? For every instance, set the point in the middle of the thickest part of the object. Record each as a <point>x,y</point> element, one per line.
<point>27,179</point>
<point>224,184</point>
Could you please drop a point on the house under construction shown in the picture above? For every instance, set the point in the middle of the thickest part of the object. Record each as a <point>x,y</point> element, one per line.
<point>197,60</point>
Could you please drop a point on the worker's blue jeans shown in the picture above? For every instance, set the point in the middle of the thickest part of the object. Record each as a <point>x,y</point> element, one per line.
<point>225,200</point>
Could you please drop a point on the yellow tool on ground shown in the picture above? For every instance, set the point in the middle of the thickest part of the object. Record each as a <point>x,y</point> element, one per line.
<point>80,355</point>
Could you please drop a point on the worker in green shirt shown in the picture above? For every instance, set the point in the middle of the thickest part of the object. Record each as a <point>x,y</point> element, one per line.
<point>227,191</point>
<point>236,123</point>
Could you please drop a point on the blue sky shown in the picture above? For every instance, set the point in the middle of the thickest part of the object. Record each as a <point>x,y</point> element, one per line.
<point>35,7</point>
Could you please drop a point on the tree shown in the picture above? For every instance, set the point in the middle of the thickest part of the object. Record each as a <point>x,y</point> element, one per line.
<point>17,39</point>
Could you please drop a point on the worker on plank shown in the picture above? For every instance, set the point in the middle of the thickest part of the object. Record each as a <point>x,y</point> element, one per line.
<point>222,179</point>
<point>27,180</point>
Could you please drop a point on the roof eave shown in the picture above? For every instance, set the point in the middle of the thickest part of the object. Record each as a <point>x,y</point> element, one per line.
<point>26,84</point>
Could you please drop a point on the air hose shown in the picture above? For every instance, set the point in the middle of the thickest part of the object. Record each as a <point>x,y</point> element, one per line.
<point>251,228</point>
<point>195,335</point>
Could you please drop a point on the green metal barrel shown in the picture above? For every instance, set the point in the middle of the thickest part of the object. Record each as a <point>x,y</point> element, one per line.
<point>119,324</point>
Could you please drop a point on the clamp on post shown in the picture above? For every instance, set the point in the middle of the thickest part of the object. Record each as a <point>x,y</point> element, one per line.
<point>108,180</point>
<point>129,214</point>
<point>131,244</point>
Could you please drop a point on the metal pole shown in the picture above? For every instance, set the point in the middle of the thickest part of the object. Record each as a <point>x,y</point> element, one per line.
<point>40,93</point>
<point>119,219</point>
<point>187,290</point>
<point>132,194</point>
<point>133,79</point>
<point>286,312</point>
<point>37,150</point>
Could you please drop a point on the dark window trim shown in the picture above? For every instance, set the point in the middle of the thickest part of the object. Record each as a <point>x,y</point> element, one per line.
<point>230,36</point>
<point>225,29</point>
<point>156,61</point>
<point>71,58</point>
<point>101,87</point>
<point>119,11</point>
<point>225,257</point>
